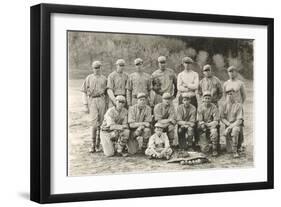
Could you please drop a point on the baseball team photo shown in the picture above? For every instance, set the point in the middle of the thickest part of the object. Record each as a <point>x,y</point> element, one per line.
<point>142,103</point>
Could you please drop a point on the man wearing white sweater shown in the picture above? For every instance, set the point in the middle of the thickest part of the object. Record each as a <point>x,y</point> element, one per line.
<point>188,81</point>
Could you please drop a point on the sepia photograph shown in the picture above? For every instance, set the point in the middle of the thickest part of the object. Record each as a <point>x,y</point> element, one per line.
<point>129,103</point>
<point>141,103</point>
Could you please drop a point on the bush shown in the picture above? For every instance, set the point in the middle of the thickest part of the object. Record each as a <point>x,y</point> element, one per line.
<point>85,47</point>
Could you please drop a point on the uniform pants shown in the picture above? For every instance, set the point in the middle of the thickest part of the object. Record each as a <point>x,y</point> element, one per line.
<point>138,139</point>
<point>170,130</point>
<point>97,108</point>
<point>233,139</point>
<point>112,141</point>
<point>185,136</point>
<point>207,138</point>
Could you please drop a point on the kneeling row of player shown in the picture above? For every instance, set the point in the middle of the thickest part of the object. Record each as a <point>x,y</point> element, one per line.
<point>119,125</point>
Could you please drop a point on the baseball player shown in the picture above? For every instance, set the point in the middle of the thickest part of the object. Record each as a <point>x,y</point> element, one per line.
<point>186,118</point>
<point>139,120</point>
<point>208,120</point>
<point>93,98</point>
<point>210,83</point>
<point>231,113</point>
<point>163,81</point>
<point>188,81</point>
<point>158,145</point>
<point>116,83</point>
<point>138,82</point>
<point>235,84</point>
<point>239,95</point>
<point>114,130</point>
<point>164,113</point>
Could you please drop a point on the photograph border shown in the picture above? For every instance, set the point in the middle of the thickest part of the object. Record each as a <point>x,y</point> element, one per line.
<point>40,59</point>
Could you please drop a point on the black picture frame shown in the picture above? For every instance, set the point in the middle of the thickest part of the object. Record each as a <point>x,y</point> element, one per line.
<point>41,98</point>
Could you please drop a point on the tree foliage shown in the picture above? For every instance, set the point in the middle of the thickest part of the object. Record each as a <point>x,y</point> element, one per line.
<point>84,47</point>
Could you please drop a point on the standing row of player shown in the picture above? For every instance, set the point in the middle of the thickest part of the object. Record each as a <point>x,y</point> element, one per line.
<point>142,92</point>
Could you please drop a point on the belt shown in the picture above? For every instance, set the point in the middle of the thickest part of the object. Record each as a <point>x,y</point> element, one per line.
<point>135,95</point>
<point>97,96</point>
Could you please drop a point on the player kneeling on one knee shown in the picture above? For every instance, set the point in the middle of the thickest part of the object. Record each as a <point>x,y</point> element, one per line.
<point>114,130</point>
<point>208,120</point>
<point>158,145</point>
<point>231,114</point>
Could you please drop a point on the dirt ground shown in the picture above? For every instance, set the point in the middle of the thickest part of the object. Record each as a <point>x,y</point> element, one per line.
<point>82,163</point>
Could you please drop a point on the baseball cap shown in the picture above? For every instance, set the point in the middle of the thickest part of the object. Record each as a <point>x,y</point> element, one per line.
<point>138,61</point>
<point>167,96</point>
<point>141,95</point>
<point>207,93</point>
<point>120,62</point>
<point>162,59</point>
<point>120,98</point>
<point>187,60</point>
<point>96,64</point>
